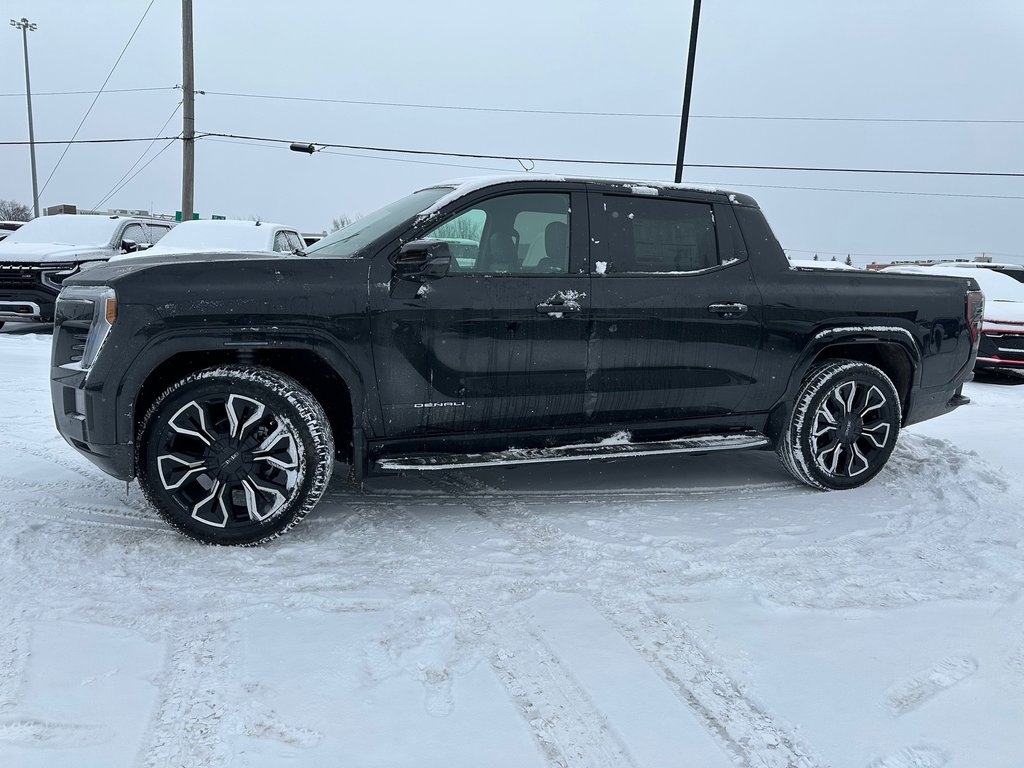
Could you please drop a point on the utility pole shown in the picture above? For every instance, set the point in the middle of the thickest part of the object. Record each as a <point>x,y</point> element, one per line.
<point>26,26</point>
<point>690,60</point>
<point>188,94</point>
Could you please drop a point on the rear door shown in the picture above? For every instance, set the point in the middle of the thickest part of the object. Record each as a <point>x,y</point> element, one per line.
<point>500,342</point>
<point>676,312</point>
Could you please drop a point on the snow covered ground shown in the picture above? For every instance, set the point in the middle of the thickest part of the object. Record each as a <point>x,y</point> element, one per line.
<point>671,611</point>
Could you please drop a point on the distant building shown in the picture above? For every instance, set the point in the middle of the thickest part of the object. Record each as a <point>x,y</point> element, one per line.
<point>929,262</point>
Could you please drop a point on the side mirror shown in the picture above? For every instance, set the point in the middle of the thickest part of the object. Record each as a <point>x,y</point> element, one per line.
<point>144,246</point>
<point>422,260</point>
<point>129,246</point>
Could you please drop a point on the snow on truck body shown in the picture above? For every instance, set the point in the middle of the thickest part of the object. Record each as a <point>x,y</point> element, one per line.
<point>490,321</point>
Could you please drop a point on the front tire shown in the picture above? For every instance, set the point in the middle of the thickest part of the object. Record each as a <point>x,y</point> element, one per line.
<point>843,427</point>
<point>235,454</point>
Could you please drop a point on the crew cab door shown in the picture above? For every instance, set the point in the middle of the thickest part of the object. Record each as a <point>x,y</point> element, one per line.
<point>676,312</point>
<point>500,341</point>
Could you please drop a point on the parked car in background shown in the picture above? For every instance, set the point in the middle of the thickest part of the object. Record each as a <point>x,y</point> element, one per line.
<point>1002,333</point>
<point>1016,271</point>
<point>220,235</point>
<point>37,257</point>
<point>6,227</point>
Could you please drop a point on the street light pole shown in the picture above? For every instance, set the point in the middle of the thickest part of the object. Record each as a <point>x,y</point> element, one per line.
<point>26,26</point>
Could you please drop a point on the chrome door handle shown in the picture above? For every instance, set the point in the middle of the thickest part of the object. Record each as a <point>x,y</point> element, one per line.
<point>731,309</point>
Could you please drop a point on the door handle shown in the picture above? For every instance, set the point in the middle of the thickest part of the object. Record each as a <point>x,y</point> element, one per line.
<point>548,309</point>
<point>728,309</point>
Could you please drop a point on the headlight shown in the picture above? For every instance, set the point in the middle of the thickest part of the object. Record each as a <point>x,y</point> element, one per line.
<point>98,305</point>
<point>55,277</point>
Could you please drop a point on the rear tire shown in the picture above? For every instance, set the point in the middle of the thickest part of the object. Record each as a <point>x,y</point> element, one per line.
<point>235,454</point>
<point>843,427</point>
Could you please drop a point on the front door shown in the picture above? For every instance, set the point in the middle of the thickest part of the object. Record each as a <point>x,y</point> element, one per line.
<point>500,342</point>
<point>676,312</point>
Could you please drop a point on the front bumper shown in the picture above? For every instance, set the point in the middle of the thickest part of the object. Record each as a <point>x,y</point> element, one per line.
<point>27,305</point>
<point>85,419</point>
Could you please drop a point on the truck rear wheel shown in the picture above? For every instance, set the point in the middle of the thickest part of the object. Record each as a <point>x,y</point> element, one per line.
<point>844,425</point>
<point>235,454</point>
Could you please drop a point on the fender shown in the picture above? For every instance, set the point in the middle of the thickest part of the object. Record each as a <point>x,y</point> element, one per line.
<point>163,346</point>
<point>889,335</point>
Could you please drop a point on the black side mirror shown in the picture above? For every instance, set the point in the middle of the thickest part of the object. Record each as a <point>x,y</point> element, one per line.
<point>129,246</point>
<point>422,260</point>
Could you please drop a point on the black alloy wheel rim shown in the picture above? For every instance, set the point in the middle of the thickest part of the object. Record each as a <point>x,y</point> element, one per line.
<point>851,429</point>
<point>228,460</point>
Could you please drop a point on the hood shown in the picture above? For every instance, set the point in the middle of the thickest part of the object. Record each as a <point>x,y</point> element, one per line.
<point>137,263</point>
<point>44,253</point>
<point>1002,314</point>
<point>156,250</point>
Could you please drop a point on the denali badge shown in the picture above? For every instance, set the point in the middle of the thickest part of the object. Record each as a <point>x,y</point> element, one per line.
<point>439,405</point>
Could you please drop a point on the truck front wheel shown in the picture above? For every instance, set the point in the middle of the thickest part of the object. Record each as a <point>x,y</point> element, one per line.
<point>843,427</point>
<point>235,454</point>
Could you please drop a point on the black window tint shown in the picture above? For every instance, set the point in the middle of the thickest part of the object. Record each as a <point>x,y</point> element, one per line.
<point>521,234</point>
<point>644,234</point>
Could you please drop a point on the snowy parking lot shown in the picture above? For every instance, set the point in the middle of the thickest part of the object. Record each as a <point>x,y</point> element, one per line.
<point>696,611</point>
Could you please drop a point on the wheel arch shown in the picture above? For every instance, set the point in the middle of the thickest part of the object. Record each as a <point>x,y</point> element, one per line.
<point>893,351</point>
<point>340,395</point>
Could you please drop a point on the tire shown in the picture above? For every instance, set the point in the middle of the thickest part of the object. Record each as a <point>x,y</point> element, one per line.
<point>843,427</point>
<point>235,455</point>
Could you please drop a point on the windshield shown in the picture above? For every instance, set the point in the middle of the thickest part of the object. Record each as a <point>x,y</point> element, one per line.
<point>67,229</point>
<point>356,236</point>
<point>219,235</point>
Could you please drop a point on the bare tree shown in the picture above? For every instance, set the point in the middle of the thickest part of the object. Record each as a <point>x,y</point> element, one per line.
<point>340,222</point>
<point>12,210</point>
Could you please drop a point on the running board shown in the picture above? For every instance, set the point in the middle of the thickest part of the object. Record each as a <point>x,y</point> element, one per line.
<point>607,449</point>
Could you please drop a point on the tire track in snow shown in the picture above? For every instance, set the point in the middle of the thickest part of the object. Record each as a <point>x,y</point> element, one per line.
<point>185,730</point>
<point>569,730</point>
<point>743,728</point>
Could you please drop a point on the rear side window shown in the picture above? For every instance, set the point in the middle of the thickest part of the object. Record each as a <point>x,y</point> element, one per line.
<point>657,235</point>
<point>281,242</point>
<point>156,231</point>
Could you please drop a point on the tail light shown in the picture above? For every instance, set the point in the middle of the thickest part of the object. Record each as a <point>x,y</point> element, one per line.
<point>975,316</point>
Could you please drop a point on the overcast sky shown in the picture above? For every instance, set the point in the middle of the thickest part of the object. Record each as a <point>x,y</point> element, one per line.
<point>921,59</point>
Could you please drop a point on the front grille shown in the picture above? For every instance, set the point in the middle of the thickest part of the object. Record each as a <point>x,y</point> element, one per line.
<point>1009,346</point>
<point>20,276</point>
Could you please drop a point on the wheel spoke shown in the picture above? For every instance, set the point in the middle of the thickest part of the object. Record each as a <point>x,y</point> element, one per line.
<point>170,466</point>
<point>253,494</point>
<point>272,451</point>
<point>243,412</point>
<point>218,513</point>
<point>878,434</point>
<point>857,457</point>
<point>872,405</point>
<point>190,420</point>
<point>829,463</point>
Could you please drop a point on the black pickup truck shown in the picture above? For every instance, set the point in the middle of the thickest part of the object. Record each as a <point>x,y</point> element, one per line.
<point>504,320</point>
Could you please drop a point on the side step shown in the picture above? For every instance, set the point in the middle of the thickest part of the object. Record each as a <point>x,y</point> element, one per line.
<point>613,447</point>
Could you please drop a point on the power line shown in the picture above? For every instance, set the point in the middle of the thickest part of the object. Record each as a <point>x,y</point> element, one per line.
<point>577,161</point>
<point>97,96</point>
<point>90,93</point>
<point>589,113</point>
<point>128,181</point>
<point>144,153</point>
<point>708,183</point>
<point>88,141</point>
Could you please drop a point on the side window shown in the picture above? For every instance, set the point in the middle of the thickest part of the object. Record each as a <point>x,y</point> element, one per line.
<point>651,235</point>
<point>156,231</point>
<point>281,242</point>
<point>518,234</point>
<point>136,233</point>
<point>294,241</point>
